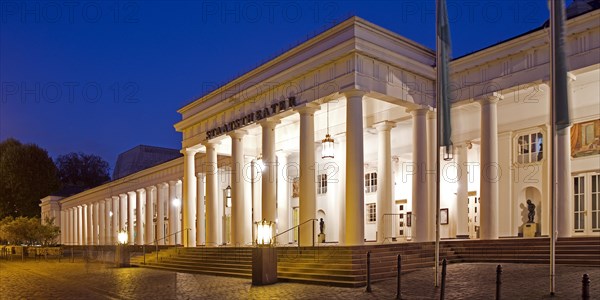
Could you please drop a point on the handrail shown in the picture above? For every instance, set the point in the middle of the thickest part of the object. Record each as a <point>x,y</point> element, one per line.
<point>155,242</point>
<point>298,226</point>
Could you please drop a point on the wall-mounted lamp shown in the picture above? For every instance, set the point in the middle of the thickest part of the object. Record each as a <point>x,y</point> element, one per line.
<point>176,202</point>
<point>228,196</point>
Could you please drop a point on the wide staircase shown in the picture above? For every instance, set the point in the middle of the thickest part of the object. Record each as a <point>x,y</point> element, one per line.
<point>329,265</point>
<point>572,251</point>
<point>347,265</point>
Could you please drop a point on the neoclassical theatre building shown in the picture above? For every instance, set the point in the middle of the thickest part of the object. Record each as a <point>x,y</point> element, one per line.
<point>342,128</point>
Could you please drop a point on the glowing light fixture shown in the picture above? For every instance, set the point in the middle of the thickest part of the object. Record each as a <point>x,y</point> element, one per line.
<point>228,196</point>
<point>260,163</point>
<point>264,233</point>
<point>327,143</point>
<point>110,213</point>
<point>122,237</point>
<point>176,202</point>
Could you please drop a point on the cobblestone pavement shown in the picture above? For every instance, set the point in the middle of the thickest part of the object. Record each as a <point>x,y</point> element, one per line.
<point>79,280</point>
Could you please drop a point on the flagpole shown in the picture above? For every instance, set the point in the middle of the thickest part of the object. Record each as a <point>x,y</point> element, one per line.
<point>437,144</point>
<point>553,45</point>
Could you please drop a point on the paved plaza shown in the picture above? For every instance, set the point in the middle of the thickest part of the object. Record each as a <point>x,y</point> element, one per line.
<point>80,280</point>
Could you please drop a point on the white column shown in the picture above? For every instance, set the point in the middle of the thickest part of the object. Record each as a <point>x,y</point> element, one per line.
<point>140,198</point>
<point>131,199</point>
<point>340,157</point>
<point>355,197</point>
<point>96,222</point>
<point>63,227</point>
<point>189,198</point>
<point>563,173</point>
<point>102,224</point>
<point>269,172</point>
<point>79,227</point>
<point>200,216</point>
<point>308,193</point>
<point>115,219</point>
<point>172,213</point>
<point>149,215</point>
<point>107,221</point>
<point>71,235</point>
<point>84,225</point>
<point>283,198</point>
<point>430,173</point>
<point>490,170</point>
<point>462,192</point>
<point>237,189</point>
<point>212,210</point>
<point>161,197</point>
<point>420,207</point>
<point>123,212</point>
<point>385,183</point>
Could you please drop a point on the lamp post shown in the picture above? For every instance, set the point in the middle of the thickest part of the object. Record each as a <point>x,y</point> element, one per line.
<point>122,252</point>
<point>264,256</point>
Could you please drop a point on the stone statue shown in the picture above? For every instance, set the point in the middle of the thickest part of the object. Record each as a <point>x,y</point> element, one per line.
<point>321,225</point>
<point>531,209</point>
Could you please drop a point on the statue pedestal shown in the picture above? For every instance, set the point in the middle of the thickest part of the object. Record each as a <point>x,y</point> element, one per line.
<point>529,230</point>
<point>321,238</point>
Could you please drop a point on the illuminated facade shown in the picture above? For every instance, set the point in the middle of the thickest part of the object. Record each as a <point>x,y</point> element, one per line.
<point>371,90</point>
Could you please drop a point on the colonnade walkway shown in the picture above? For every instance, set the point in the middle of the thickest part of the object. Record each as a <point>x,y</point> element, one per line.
<point>79,280</point>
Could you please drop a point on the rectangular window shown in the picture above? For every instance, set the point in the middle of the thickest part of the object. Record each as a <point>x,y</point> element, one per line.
<point>579,203</point>
<point>371,212</point>
<point>530,148</point>
<point>321,184</point>
<point>595,203</point>
<point>371,182</point>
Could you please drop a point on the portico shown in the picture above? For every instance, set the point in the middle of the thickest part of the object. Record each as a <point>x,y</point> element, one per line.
<point>252,150</point>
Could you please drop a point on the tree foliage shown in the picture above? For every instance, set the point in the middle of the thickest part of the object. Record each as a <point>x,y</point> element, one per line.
<point>82,170</point>
<point>30,231</point>
<point>27,174</point>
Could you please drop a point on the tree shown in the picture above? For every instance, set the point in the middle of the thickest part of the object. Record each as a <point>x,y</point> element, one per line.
<point>28,231</point>
<point>82,170</point>
<point>27,174</point>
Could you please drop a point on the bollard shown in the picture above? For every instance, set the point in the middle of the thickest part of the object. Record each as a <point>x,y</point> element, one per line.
<point>585,287</point>
<point>498,281</point>
<point>368,271</point>
<point>399,283</point>
<point>443,289</point>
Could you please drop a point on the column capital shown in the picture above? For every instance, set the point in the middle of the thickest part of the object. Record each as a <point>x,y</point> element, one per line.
<point>419,110</point>
<point>354,93</point>
<point>150,188</point>
<point>238,134</point>
<point>189,151</point>
<point>384,125</point>
<point>490,98</point>
<point>269,122</point>
<point>307,109</point>
<point>209,143</point>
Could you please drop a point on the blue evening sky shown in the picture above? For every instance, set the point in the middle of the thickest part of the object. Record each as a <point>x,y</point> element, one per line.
<point>104,76</point>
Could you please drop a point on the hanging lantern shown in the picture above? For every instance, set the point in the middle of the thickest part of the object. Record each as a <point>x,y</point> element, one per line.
<point>228,196</point>
<point>327,150</point>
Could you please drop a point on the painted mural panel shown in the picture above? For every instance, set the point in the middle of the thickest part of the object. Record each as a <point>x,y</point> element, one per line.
<point>585,138</point>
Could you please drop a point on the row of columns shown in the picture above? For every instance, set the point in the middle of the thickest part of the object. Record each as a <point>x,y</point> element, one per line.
<point>98,223</point>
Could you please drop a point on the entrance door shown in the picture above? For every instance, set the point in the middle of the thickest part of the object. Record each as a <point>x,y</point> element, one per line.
<point>586,204</point>
<point>473,213</point>
<point>296,221</point>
